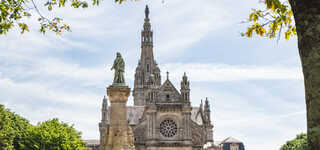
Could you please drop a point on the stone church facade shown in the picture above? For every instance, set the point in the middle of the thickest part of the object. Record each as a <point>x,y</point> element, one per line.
<point>162,117</point>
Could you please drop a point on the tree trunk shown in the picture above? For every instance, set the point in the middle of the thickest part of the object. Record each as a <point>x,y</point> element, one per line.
<point>307,18</point>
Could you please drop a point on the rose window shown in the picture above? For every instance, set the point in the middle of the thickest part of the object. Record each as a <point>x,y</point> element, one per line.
<point>168,128</point>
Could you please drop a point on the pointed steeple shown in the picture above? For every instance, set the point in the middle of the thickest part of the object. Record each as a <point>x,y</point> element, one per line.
<point>147,75</point>
<point>207,121</point>
<point>207,111</point>
<point>104,109</point>
<point>146,35</point>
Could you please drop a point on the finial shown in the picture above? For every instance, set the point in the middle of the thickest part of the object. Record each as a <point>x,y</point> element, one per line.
<point>207,106</point>
<point>147,11</point>
<point>167,75</point>
<point>184,77</point>
<point>207,102</point>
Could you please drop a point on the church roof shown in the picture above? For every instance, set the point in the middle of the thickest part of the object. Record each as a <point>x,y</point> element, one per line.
<point>230,140</point>
<point>134,113</point>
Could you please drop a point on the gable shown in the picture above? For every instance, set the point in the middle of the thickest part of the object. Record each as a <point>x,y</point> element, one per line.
<point>168,93</point>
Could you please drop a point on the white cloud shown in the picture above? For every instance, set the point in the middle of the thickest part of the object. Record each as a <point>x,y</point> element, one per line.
<point>262,121</point>
<point>37,93</point>
<point>177,26</point>
<point>224,72</point>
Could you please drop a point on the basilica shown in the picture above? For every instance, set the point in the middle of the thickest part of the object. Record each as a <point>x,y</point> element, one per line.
<point>162,117</point>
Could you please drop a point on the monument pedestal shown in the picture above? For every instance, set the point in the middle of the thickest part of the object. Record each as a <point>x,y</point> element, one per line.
<point>119,135</point>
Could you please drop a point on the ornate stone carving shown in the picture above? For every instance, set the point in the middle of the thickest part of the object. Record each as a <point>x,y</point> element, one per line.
<point>168,128</point>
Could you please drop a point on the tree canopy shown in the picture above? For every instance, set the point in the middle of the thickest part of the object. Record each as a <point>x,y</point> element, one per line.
<point>13,129</point>
<point>17,133</point>
<point>299,143</point>
<point>55,135</point>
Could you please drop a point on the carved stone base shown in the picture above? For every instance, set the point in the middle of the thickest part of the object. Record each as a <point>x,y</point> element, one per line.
<point>119,135</point>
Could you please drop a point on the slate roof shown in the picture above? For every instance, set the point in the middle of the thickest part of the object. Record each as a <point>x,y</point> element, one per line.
<point>216,142</point>
<point>134,113</point>
<point>230,140</point>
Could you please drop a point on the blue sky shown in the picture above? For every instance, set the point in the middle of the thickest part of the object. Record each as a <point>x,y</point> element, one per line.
<point>255,86</point>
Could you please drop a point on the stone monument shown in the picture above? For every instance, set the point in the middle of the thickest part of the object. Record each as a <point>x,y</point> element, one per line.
<point>119,135</point>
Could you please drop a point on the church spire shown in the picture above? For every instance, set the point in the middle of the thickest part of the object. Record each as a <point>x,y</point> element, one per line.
<point>147,74</point>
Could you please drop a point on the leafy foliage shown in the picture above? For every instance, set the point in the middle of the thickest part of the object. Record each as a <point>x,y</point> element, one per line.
<point>17,133</point>
<point>55,135</point>
<point>14,13</point>
<point>299,143</point>
<point>13,130</point>
<point>270,22</point>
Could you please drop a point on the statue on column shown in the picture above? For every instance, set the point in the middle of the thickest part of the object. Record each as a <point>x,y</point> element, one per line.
<point>118,135</point>
<point>118,66</point>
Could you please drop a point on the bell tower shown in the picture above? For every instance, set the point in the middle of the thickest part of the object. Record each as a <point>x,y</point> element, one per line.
<point>147,75</point>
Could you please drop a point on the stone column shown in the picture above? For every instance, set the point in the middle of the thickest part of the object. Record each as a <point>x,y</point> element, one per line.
<point>119,135</point>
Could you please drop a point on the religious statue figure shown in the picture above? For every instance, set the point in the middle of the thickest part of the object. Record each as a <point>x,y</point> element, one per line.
<point>118,66</point>
<point>147,11</point>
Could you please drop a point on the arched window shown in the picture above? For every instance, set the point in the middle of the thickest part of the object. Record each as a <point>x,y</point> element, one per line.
<point>148,67</point>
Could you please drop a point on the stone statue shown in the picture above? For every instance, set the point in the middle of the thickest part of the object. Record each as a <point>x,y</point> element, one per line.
<point>118,66</point>
<point>147,11</point>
